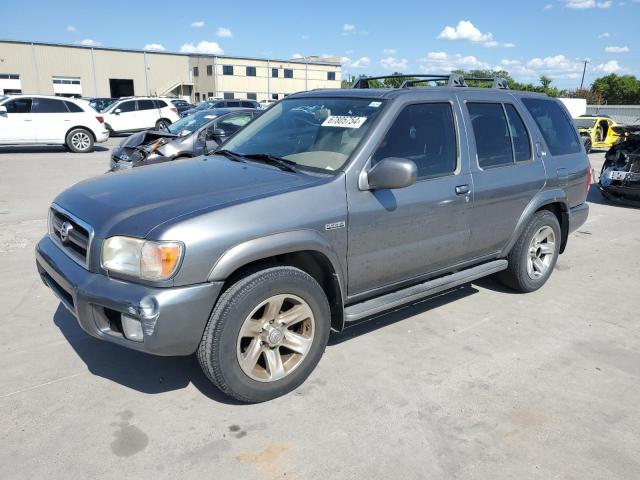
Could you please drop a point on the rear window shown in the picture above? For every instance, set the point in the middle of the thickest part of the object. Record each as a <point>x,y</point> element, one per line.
<point>493,143</point>
<point>558,131</point>
<point>73,108</point>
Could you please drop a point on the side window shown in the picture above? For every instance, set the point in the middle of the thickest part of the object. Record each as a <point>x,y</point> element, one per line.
<point>519,134</point>
<point>557,130</point>
<point>146,105</point>
<point>247,104</point>
<point>19,105</point>
<point>162,104</point>
<point>233,123</point>
<point>493,144</point>
<point>48,105</point>
<point>73,108</point>
<point>426,134</point>
<point>125,107</point>
<point>233,104</point>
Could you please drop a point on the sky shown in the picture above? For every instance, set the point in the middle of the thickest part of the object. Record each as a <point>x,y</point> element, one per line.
<point>526,38</point>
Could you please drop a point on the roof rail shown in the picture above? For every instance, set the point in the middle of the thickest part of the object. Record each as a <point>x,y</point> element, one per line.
<point>496,82</point>
<point>452,80</point>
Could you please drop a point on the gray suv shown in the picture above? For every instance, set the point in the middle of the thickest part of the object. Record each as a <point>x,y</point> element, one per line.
<point>331,207</point>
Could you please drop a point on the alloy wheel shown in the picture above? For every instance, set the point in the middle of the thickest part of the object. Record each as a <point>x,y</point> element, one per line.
<point>542,250</point>
<point>80,140</point>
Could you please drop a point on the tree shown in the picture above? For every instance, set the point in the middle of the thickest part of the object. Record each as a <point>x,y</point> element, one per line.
<point>397,81</point>
<point>618,90</point>
<point>592,97</point>
<point>545,82</point>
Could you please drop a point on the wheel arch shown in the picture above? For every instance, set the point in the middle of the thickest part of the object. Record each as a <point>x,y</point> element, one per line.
<point>82,127</point>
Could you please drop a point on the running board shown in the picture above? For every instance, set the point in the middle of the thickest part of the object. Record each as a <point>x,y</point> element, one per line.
<point>391,300</point>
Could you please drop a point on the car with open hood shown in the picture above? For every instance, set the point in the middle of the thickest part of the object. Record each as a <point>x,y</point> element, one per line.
<point>188,137</point>
<point>620,175</point>
<point>597,132</point>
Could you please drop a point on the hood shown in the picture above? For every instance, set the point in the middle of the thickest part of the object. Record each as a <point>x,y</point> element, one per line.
<point>142,138</point>
<point>133,202</point>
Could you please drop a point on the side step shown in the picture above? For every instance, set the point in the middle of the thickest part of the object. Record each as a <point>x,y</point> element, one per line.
<point>391,300</point>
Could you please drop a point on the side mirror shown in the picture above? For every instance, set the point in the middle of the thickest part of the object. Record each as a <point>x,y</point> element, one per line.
<point>3,109</point>
<point>392,173</point>
<point>215,134</point>
<point>117,111</point>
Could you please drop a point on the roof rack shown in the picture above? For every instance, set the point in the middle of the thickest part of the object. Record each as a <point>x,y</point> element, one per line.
<point>452,80</point>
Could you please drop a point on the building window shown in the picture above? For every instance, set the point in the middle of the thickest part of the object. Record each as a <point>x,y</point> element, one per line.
<point>252,96</point>
<point>10,83</point>
<point>274,72</point>
<point>227,69</point>
<point>66,86</point>
<point>288,73</point>
<point>9,76</point>
<point>210,95</point>
<point>228,95</point>
<point>331,75</point>
<point>251,71</point>
<point>195,71</point>
<point>197,96</point>
<point>274,96</point>
<point>209,70</point>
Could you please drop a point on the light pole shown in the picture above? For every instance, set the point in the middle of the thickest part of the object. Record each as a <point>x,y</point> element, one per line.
<point>584,69</point>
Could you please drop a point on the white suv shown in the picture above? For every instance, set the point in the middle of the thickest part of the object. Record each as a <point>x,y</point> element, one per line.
<point>39,119</point>
<point>131,114</point>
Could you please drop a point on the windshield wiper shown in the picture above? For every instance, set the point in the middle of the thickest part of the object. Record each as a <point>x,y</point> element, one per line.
<point>281,163</point>
<point>236,157</point>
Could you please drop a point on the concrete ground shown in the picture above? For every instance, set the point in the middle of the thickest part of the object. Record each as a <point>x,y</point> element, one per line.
<point>479,383</point>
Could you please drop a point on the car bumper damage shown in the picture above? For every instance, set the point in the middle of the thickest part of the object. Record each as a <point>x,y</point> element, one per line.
<point>142,148</point>
<point>161,321</point>
<point>620,176</point>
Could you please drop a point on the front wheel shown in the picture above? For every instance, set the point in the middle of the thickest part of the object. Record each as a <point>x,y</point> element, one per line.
<point>162,124</point>
<point>266,334</point>
<point>79,140</point>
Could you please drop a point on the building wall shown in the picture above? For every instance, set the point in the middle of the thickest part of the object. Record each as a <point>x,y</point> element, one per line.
<point>155,73</point>
<point>620,113</point>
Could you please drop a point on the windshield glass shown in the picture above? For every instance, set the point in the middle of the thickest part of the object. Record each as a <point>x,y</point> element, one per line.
<point>584,122</point>
<point>313,132</point>
<point>190,124</point>
<point>3,97</point>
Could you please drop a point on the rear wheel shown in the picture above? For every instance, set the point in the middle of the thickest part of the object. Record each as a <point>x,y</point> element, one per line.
<point>266,334</point>
<point>79,140</point>
<point>534,255</point>
<point>162,124</point>
<point>587,145</point>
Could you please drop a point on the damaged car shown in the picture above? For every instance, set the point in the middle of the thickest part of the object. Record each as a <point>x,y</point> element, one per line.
<point>197,134</point>
<point>620,175</point>
<point>597,132</point>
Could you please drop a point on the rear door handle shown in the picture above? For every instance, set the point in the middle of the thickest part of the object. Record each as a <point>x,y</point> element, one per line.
<point>462,189</point>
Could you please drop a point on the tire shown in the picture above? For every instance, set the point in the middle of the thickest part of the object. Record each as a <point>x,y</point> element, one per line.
<point>79,140</point>
<point>239,325</point>
<point>587,146</point>
<point>162,124</point>
<point>524,274</point>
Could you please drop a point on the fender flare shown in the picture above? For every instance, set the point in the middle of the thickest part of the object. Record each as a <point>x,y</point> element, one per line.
<point>543,198</point>
<point>272,245</point>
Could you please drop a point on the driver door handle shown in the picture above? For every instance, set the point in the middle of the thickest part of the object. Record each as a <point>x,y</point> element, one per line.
<point>462,189</point>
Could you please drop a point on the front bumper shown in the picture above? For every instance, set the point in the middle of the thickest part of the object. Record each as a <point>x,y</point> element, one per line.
<point>173,319</point>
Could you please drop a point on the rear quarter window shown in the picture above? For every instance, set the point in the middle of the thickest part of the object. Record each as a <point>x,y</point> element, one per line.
<point>556,128</point>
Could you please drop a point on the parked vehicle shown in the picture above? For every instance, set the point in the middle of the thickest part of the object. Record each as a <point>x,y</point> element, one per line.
<point>141,113</point>
<point>191,136</point>
<point>329,208</point>
<point>48,120</point>
<point>597,132</point>
<point>620,175</point>
<point>210,105</point>
<point>101,104</point>
<point>181,105</point>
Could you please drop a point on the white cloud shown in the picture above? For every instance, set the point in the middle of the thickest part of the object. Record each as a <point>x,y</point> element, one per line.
<point>392,63</point>
<point>612,66</point>
<point>348,27</point>
<point>441,62</point>
<point>586,4</point>
<point>556,66</point>
<point>465,30</point>
<point>71,28</point>
<point>604,35</point>
<point>223,32</point>
<point>154,46</point>
<point>202,47</point>
<point>88,42</point>
<point>362,62</point>
<point>547,7</point>
<point>197,24</point>
<point>297,56</point>
<point>616,49</point>
<point>349,52</point>
<point>389,51</point>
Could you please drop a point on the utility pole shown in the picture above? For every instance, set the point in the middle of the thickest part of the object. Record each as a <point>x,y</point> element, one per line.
<point>583,72</point>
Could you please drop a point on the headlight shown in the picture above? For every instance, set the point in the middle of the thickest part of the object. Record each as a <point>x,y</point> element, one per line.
<point>145,259</point>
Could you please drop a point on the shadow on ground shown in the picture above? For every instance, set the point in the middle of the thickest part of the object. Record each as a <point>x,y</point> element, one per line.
<point>45,149</point>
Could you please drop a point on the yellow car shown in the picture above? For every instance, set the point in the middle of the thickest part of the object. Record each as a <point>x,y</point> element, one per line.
<point>596,132</point>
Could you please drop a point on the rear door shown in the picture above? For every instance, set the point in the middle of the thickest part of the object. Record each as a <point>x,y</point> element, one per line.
<point>506,174</point>
<point>16,126</point>
<point>51,120</point>
<point>148,114</point>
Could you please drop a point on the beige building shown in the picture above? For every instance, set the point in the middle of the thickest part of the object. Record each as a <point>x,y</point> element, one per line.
<point>74,70</point>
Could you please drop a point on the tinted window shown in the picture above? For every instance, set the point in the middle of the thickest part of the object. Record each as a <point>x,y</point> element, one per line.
<point>146,105</point>
<point>288,73</point>
<point>274,96</point>
<point>159,104</point>
<point>47,105</point>
<point>423,133</point>
<point>227,69</point>
<point>493,144</point>
<point>233,123</point>
<point>274,72</point>
<point>73,108</point>
<point>19,105</point>
<point>331,75</point>
<point>124,107</point>
<point>251,71</point>
<point>557,130</point>
<point>233,104</point>
<point>247,104</point>
<point>519,134</point>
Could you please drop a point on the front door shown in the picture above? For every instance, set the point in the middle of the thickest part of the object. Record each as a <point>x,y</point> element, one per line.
<point>396,235</point>
<point>127,118</point>
<point>16,125</point>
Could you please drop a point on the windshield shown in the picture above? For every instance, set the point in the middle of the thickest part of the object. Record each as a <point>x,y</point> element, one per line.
<point>190,124</point>
<point>313,132</point>
<point>3,98</point>
<point>584,122</point>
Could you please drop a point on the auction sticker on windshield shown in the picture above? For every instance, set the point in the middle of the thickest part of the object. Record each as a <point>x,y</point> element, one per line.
<point>344,121</point>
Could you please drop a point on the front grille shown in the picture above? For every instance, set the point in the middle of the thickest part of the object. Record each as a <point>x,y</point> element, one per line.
<point>73,235</point>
